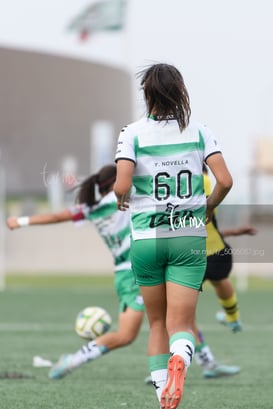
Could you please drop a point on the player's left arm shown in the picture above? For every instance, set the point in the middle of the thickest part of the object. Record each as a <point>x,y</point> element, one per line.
<point>223,183</point>
<point>214,159</point>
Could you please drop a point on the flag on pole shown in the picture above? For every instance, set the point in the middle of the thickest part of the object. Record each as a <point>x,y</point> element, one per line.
<point>104,15</point>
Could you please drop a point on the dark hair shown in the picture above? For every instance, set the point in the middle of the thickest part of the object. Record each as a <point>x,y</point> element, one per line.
<point>165,93</point>
<point>105,179</point>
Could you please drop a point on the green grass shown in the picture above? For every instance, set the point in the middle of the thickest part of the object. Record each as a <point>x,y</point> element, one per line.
<point>37,318</point>
<point>58,281</point>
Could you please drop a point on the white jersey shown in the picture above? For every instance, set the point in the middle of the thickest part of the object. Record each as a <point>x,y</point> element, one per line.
<point>167,199</point>
<point>112,225</point>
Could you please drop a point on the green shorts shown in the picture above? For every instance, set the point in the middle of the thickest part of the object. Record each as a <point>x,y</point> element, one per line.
<point>128,291</point>
<point>181,260</point>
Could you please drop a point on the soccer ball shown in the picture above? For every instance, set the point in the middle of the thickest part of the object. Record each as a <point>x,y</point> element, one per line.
<point>92,322</point>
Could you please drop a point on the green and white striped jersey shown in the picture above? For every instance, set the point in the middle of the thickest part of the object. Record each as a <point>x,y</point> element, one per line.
<point>167,197</point>
<point>112,225</point>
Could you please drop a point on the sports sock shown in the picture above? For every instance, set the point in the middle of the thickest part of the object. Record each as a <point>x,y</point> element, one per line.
<point>89,352</point>
<point>203,355</point>
<point>230,306</point>
<point>183,344</point>
<point>158,368</point>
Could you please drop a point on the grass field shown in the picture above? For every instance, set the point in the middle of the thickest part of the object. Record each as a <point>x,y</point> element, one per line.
<point>37,318</point>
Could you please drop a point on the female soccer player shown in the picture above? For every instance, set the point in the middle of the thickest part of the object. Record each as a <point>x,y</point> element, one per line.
<point>219,265</point>
<point>159,170</point>
<point>114,228</point>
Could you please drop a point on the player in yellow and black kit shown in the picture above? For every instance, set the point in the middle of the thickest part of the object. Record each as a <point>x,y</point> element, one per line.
<point>219,266</point>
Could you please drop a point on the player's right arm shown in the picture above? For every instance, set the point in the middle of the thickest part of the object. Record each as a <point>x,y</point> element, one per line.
<point>50,218</point>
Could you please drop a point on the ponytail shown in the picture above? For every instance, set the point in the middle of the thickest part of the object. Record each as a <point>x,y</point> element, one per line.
<point>87,193</point>
<point>104,179</point>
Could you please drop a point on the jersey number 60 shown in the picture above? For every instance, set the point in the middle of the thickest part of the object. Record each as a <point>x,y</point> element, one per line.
<point>165,184</point>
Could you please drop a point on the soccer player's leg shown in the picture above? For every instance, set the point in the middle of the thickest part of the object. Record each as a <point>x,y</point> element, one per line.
<point>205,359</point>
<point>230,315</point>
<point>218,270</point>
<point>184,276</point>
<point>130,319</point>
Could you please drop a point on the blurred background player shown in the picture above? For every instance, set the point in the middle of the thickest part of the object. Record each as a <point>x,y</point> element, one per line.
<point>219,267</point>
<point>113,226</point>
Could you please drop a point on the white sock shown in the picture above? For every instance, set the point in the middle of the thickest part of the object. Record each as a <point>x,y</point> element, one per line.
<point>87,353</point>
<point>159,379</point>
<point>204,357</point>
<point>184,348</point>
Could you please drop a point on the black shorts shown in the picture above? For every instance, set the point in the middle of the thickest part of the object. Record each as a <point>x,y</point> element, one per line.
<point>219,265</point>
